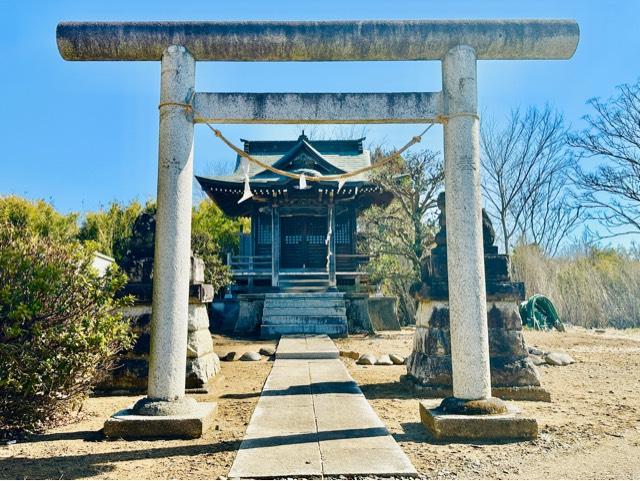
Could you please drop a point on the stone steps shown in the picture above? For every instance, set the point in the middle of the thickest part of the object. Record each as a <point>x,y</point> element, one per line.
<point>317,311</point>
<point>274,331</point>
<point>293,319</point>
<point>290,287</point>
<point>318,296</point>
<point>304,313</point>
<point>283,304</point>
<point>312,282</point>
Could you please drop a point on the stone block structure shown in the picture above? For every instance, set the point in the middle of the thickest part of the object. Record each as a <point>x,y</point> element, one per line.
<point>132,367</point>
<point>513,375</point>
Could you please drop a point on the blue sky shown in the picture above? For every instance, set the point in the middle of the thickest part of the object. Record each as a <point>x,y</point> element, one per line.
<point>81,134</point>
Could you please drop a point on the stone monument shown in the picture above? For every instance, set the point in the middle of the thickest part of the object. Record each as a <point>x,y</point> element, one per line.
<point>132,367</point>
<point>513,374</point>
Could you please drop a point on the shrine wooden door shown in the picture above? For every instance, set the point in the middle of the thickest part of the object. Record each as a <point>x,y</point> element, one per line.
<point>303,242</point>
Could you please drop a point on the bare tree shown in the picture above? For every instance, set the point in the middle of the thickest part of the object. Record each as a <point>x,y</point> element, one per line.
<point>611,191</point>
<point>402,228</point>
<point>399,235</point>
<point>551,215</point>
<point>526,184</point>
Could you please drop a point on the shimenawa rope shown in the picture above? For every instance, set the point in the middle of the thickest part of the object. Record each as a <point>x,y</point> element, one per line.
<point>313,178</point>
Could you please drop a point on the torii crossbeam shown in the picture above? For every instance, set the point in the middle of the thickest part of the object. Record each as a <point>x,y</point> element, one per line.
<point>458,44</point>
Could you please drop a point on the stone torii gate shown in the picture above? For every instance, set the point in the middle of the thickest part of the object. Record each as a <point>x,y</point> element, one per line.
<point>458,44</point>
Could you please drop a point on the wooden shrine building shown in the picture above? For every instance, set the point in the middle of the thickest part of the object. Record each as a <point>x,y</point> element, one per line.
<point>301,239</point>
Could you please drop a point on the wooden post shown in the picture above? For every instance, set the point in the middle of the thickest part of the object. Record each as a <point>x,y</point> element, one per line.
<point>275,245</point>
<point>331,247</point>
<point>252,245</point>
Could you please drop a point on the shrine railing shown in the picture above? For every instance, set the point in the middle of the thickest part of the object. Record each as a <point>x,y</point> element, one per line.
<point>260,266</point>
<point>351,264</point>
<point>246,266</point>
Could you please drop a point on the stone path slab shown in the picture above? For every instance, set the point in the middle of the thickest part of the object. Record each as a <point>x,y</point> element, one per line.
<point>307,347</point>
<point>312,420</point>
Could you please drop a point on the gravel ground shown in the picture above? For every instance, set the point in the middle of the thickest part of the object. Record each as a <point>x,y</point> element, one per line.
<point>590,430</point>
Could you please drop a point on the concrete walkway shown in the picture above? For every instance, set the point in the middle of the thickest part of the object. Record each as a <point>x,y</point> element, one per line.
<point>312,420</point>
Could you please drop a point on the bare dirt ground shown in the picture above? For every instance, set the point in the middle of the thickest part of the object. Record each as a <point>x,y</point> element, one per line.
<point>80,451</point>
<point>590,430</point>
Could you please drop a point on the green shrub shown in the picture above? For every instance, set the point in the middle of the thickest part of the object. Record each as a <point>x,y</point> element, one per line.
<point>212,235</point>
<point>222,230</point>
<point>111,228</point>
<point>60,327</point>
<point>38,216</point>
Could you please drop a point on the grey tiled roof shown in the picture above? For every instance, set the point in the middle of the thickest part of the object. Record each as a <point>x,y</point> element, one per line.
<point>342,155</point>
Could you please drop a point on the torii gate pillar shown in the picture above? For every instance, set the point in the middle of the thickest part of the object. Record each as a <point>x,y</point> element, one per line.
<point>167,362</point>
<point>465,257</point>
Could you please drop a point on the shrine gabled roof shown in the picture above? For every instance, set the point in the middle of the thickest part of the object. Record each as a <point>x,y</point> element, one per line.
<point>326,157</point>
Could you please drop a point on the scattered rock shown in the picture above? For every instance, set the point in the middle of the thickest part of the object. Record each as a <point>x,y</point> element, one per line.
<point>384,360</point>
<point>250,356</point>
<point>202,369</point>
<point>535,351</point>
<point>398,360</point>
<point>230,356</point>
<point>366,360</point>
<point>557,358</point>
<point>537,360</point>
<point>267,351</point>
<point>350,354</point>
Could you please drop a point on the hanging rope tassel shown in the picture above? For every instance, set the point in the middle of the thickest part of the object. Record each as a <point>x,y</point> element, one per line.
<point>247,194</point>
<point>303,182</point>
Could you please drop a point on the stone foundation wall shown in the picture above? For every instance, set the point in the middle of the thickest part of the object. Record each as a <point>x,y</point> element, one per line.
<point>246,318</point>
<point>430,362</point>
<point>383,313</point>
<point>357,306</point>
<point>250,307</point>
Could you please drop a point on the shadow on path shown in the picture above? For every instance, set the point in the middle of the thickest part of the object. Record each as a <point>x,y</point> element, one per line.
<point>328,387</point>
<point>79,466</point>
<point>251,443</point>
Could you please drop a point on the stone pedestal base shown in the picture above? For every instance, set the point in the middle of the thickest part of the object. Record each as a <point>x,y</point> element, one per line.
<point>127,425</point>
<point>512,425</point>
<point>513,374</point>
<point>513,393</point>
<point>132,367</point>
